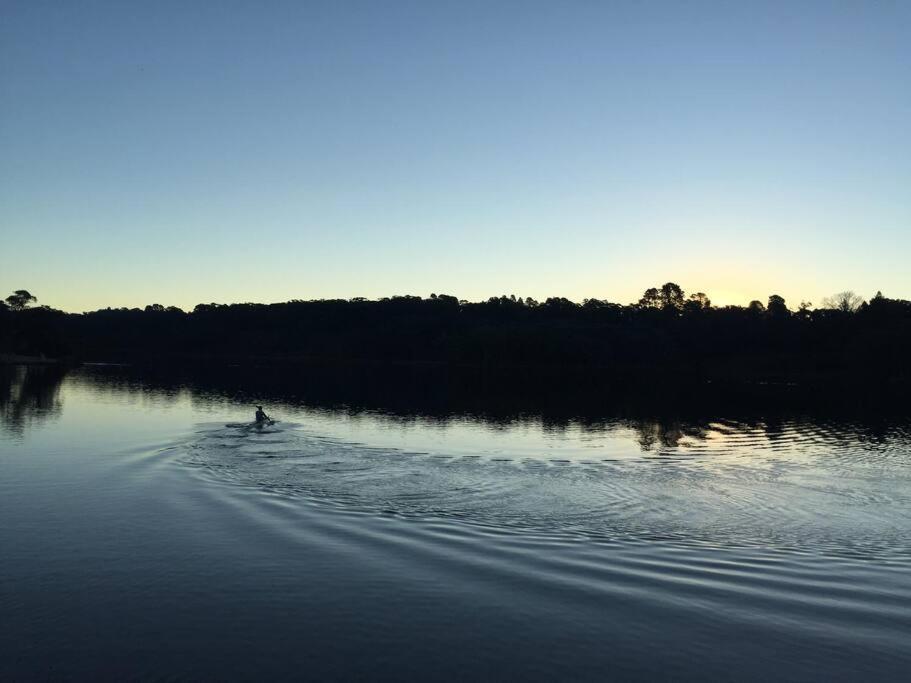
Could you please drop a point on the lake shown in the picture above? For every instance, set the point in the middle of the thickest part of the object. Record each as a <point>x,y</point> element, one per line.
<point>147,531</point>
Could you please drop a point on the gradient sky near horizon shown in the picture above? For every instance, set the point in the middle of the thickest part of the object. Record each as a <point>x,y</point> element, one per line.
<point>186,152</point>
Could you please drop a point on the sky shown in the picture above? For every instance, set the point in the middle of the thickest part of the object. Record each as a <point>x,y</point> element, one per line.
<point>187,152</point>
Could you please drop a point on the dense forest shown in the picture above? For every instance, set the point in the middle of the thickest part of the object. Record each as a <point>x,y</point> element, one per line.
<point>665,333</point>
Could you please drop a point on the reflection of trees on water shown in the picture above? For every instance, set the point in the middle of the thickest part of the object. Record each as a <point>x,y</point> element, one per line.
<point>668,433</point>
<point>29,395</point>
<point>658,421</point>
<point>873,432</point>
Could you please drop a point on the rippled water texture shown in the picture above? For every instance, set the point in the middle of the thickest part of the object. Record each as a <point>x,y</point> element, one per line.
<point>151,531</point>
<point>805,486</point>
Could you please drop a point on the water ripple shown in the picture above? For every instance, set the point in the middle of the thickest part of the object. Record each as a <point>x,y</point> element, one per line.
<point>796,486</point>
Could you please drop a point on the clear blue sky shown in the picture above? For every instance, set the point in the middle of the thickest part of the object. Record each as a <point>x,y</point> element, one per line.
<point>185,152</point>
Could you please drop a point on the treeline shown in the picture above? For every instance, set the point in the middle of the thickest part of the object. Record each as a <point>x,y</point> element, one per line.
<point>665,334</point>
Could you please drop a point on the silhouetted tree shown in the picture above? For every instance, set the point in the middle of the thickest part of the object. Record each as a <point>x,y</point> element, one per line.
<point>777,307</point>
<point>803,310</point>
<point>846,302</point>
<point>672,296</point>
<point>668,296</point>
<point>697,302</point>
<point>20,299</point>
<point>651,298</point>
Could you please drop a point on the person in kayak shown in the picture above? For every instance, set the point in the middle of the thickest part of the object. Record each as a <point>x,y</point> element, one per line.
<point>261,416</point>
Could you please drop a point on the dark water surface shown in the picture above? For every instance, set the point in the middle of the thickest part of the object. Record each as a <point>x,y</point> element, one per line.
<point>142,537</point>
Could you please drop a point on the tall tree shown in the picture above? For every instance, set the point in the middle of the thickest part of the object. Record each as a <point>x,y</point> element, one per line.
<point>697,302</point>
<point>777,307</point>
<point>671,296</point>
<point>651,298</point>
<point>846,302</point>
<point>20,299</point>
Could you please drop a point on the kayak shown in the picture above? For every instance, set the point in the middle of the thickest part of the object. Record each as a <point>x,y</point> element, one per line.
<point>251,425</point>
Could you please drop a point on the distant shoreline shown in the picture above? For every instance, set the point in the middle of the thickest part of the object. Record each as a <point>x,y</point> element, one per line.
<point>557,343</point>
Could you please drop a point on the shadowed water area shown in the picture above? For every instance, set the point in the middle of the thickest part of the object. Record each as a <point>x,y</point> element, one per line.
<point>399,525</point>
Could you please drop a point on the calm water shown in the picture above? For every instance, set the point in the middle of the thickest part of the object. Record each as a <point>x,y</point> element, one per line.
<point>140,536</point>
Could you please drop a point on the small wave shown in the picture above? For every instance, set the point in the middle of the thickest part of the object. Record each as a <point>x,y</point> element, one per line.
<point>803,487</point>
